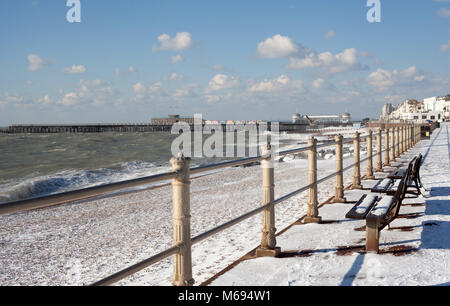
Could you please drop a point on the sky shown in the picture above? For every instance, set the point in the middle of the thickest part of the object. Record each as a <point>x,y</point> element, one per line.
<point>130,61</point>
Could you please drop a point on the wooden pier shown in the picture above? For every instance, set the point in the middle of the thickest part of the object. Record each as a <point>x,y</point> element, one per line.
<point>128,128</point>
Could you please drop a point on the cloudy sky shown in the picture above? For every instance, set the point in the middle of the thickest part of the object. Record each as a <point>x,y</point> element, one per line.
<point>129,61</point>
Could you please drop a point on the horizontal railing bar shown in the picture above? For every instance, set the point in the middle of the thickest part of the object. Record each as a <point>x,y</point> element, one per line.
<point>81,194</point>
<point>137,267</point>
<point>293,151</point>
<point>227,164</point>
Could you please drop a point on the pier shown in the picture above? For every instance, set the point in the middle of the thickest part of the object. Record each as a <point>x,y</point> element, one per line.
<point>130,128</point>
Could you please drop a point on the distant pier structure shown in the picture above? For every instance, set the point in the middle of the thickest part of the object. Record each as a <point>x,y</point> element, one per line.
<point>322,120</point>
<point>156,125</point>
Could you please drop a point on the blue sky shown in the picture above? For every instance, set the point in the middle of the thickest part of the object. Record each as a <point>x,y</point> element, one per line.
<point>129,61</point>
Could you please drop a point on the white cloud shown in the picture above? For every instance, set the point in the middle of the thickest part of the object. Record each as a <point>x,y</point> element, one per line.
<point>143,91</point>
<point>278,47</point>
<point>35,62</point>
<point>445,47</point>
<point>181,93</point>
<point>181,41</point>
<point>75,69</point>
<point>383,79</point>
<point>46,100</point>
<point>281,83</point>
<point>96,92</point>
<point>176,59</point>
<point>70,99</point>
<point>211,99</point>
<point>130,70</point>
<point>330,34</point>
<point>139,90</point>
<point>176,77</point>
<point>344,61</point>
<point>444,12</point>
<point>318,83</point>
<point>14,100</point>
<point>222,81</point>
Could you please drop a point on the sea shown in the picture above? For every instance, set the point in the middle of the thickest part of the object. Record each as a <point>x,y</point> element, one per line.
<point>34,165</point>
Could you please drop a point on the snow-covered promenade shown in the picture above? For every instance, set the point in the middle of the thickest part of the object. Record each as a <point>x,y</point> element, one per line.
<point>415,251</point>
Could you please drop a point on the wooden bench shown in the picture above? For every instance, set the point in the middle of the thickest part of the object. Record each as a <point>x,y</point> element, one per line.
<point>414,181</point>
<point>389,185</point>
<point>385,211</point>
<point>379,210</point>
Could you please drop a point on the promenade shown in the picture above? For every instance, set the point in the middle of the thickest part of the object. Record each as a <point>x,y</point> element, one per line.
<point>415,251</point>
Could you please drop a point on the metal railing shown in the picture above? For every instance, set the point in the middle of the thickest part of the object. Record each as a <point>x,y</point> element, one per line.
<point>397,141</point>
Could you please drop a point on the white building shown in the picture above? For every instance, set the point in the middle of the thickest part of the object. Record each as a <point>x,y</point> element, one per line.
<point>434,109</point>
<point>386,111</point>
<point>434,104</point>
<point>422,116</point>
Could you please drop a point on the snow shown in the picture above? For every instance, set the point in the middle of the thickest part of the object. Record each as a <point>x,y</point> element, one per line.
<point>81,243</point>
<point>415,251</point>
<point>384,184</point>
<point>366,203</point>
<point>382,206</point>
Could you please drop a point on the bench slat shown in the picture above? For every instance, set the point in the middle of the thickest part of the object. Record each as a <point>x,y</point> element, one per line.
<point>362,207</point>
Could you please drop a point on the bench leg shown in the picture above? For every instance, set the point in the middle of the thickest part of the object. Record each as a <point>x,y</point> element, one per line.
<point>372,235</point>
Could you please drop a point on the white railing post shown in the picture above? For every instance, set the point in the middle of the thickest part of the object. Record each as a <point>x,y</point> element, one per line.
<point>379,167</point>
<point>182,221</point>
<point>357,167</point>
<point>410,137</point>
<point>339,188</point>
<point>393,145</point>
<point>268,240</point>
<point>397,142</point>
<point>387,148</point>
<point>313,210</point>
<point>369,174</point>
<point>402,141</point>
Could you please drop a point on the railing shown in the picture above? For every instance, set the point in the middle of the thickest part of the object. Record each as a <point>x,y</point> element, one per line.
<point>397,141</point>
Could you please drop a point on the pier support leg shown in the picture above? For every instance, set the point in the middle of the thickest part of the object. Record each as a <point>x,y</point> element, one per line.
<point>313,211</point>
<point>268,241</point>
<point>182,222</point>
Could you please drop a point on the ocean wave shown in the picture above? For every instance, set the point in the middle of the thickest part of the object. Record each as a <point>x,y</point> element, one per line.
<point>68,180</point>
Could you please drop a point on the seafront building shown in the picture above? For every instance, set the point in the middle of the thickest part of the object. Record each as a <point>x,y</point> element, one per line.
<point>430,109</point>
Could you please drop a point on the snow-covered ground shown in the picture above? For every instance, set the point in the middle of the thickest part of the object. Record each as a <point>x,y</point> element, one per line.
<point>416,251</point>
<point>81,243</point>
